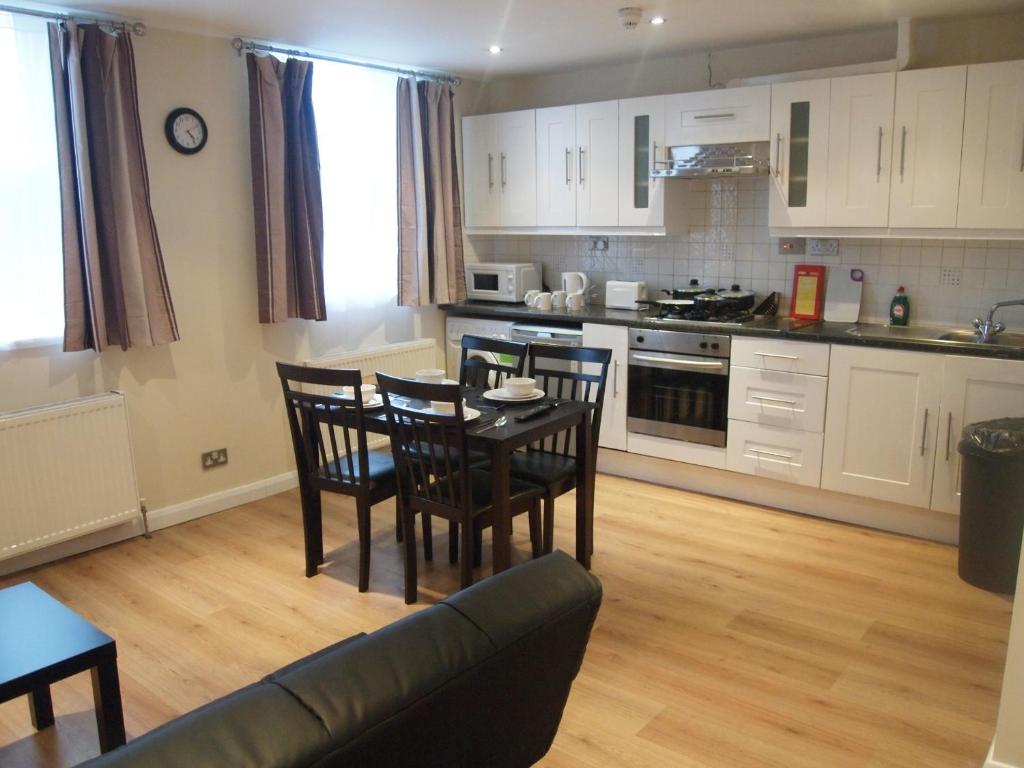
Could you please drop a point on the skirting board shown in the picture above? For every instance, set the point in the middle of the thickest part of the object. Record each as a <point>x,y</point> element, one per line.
<point>991,762</point>
<point>164,517</point>
<point>922,523</point>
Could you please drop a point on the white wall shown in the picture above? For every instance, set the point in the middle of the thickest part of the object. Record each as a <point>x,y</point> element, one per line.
<point>217,386</point>
<point>1008,744</point>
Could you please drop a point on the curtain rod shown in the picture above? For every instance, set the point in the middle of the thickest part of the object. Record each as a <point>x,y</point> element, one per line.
<point>135,27</point>
<point>242,46</point>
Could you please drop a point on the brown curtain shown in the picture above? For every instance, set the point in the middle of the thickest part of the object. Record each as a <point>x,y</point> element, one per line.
<point>286,190</point>
<point>115,286</point>
<point>430,260</point>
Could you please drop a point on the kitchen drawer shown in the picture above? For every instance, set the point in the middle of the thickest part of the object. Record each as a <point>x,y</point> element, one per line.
<point>777,398</point>
<point>718,116</point>
<point>790,455</point>
<point>779,355</point>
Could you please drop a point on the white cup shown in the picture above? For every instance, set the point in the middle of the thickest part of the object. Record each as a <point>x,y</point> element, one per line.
<point>443,406</point>
<point>574,301</point>
<point>558,299</point>
<point>367,392</point>
<point>542,302</point>
<point>519,386</point>
<point>430,375</point>
<point>530,296</point>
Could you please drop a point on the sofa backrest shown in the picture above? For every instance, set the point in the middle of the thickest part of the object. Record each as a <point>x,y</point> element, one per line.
<point>480,679</point>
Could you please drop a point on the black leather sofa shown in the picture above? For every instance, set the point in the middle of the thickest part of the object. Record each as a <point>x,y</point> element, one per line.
<point>480,679</point>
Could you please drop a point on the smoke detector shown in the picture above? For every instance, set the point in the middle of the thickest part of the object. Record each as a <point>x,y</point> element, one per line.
<point>630,17</point>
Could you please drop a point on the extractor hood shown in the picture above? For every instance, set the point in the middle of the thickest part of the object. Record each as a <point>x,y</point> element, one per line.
<point>701,161</point>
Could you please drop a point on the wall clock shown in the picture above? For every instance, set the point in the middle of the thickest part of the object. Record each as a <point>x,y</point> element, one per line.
<point>185,130</point>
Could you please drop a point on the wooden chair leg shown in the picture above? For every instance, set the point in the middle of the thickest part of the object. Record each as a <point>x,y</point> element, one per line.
<point>409,537</point>
<point>453,543</point>
<point>428,537</point>
<point>398,520</point>
<point>363,521</point>
<point>536,537</point>
<point>478,547</point>
<point>549,522</point>
<point>312,529</point>
<point>466,555</point>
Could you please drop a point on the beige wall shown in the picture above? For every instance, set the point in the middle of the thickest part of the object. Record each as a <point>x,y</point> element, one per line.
<point>1008,745</point>
<point>937,43</point>
<point>217,386</point>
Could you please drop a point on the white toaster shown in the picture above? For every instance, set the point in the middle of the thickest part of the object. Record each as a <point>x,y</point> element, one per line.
<point>623,294</point>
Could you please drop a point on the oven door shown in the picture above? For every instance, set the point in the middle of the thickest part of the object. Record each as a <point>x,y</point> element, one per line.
<point>684,397</point>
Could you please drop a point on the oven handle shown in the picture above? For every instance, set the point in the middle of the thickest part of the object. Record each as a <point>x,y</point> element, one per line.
<point>695,364</point>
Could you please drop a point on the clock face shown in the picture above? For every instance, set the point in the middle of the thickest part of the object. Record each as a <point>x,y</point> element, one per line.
<point>186,130</point>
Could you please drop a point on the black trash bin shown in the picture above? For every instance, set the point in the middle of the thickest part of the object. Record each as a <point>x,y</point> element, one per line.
<point>992,503</point>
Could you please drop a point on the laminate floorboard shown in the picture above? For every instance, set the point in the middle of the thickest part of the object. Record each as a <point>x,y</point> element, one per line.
<point>731,635</point>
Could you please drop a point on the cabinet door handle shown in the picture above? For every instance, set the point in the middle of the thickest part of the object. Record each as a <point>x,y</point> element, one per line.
<point>654,155</point>
<point>582,152</point>
<point>568,166</point>
<point>949,431</point>
<point>615,380</point>
<point>924,431</point>
<point>903,151</point>
<point>1022,155</point>
<point>490,171</point>
<point>878,165</point>
<point>778,154</point>
<point>503,182</point>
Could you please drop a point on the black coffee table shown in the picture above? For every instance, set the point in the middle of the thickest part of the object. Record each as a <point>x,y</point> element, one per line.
<point>43,641</point>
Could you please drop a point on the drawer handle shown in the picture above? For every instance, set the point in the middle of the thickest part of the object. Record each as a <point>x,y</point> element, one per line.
<point>772,399</point>
<point>776,454</point>
<point>782,357</point>
<point>717,116</point>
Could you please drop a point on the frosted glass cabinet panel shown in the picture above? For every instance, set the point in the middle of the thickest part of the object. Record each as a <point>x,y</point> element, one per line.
<point>799,153</point>
<point>641,143</point>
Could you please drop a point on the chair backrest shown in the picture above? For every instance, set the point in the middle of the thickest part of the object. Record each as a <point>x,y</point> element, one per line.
<point>477,372</point>
<point>322,427</point>
<point>427,445</point>
<point>568,373</point>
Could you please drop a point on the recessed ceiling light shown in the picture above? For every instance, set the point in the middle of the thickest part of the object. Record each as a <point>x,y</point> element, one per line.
<point>657,20</point>
<point>495,49</point>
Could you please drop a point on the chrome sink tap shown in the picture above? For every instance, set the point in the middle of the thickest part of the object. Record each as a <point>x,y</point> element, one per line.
<point>988,328</point>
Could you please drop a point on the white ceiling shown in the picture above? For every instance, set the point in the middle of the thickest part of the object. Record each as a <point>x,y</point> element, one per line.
<point>537,35</point>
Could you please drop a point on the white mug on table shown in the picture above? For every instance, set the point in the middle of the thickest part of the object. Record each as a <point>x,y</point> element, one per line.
<point>558,299</point>
<point>542,302</point>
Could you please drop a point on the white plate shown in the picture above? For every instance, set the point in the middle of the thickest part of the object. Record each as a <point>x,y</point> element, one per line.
<point>376,402</point>
<point>468,414</point>
<point>504,397</point>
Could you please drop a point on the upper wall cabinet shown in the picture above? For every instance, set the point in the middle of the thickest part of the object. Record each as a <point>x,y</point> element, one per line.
<point>859,150</point>
<point>799,153</point>
<point>500,169</point>
<point>597,164</point>
<point>641,139</point>
<point>721,116</point>
<point>556,167</point>
<point>992,169</point>
<point>929,121</point>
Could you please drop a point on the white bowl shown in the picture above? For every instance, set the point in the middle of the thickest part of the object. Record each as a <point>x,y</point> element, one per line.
<point>519,386</point>
<point>367,392</point>
<point>443,406</point>
<point>430,375</point>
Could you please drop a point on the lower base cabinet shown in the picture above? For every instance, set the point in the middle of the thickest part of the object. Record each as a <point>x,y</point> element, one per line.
<point>777,453</point>
<point>613,418</point>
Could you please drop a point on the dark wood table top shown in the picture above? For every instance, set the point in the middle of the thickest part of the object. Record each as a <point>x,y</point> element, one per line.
<point>38,632</point>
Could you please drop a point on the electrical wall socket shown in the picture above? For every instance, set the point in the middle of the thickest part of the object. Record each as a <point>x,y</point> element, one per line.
<point>950,276</point>
<point>819,247</point>
<point>215,458</point>
<point>599,244</point>
<point>794,245</point>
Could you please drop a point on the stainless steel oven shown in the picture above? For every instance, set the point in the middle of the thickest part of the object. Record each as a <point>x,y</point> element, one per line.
<point>678,385</point>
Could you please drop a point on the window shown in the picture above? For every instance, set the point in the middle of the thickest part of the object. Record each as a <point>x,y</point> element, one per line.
<point>31,269</point>
<point>355,121</point>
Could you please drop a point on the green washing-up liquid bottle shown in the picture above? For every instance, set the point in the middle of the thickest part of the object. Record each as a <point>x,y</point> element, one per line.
<point>899,310</point>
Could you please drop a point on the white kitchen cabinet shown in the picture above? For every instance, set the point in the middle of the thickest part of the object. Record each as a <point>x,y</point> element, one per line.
<point>927,137</point>
<point>500,169</point>
<point>799,154</point>
<point>613,417</point>
<point>780,355</point>
<point>597,164</point>
<point>860,150</point>
<point>556,175</point>
<point>992,167</point>
<point>788,455</point>
<point>973,390</point>
<point>641,144</point>
<point>721,116</point>
<point>774,398</point>
<point>881,423</point>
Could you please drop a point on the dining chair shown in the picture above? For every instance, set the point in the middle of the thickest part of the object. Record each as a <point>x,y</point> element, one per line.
<point>427,445</point>
<point>322,428</point>
<point>495,361</point>
<point>573,373</point>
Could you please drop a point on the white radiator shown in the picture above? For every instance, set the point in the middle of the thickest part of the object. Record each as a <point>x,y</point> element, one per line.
<point>66,469</point>
<point>402,359</point>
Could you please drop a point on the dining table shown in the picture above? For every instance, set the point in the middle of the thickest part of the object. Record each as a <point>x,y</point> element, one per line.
<point>500,442</point>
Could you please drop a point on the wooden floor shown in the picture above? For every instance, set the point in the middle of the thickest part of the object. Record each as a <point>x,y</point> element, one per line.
<point>730,635</point>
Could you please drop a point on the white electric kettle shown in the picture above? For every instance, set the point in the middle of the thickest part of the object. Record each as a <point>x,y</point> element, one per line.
<point>575,282</point>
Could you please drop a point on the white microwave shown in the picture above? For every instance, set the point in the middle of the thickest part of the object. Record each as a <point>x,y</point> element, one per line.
<point>501,282</point>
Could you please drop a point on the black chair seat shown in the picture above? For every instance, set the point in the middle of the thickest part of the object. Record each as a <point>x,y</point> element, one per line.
<point>521,492</point>
<point>476,458</point>
<point>380,468</point>
<point>542,467</point>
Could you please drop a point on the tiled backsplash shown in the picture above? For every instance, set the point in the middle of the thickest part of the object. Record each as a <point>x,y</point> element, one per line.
<point>728,242</point>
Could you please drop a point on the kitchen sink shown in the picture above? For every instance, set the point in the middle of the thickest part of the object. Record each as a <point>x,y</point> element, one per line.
<point>893,332</point>
<point>971,337</point>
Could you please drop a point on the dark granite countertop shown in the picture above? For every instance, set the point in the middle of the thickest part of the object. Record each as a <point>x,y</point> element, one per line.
<point>913,338</point>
